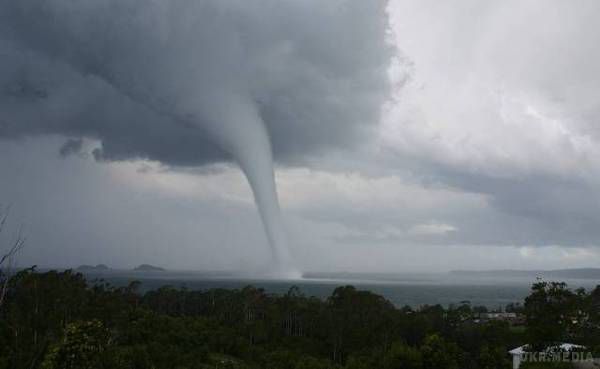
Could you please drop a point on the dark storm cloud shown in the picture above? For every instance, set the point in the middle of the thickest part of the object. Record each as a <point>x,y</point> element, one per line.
<point>119,72</point>
<point>533,209</point>
<point>71,147</point>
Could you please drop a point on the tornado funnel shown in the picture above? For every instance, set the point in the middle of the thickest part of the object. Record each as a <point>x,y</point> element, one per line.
<point>235,124</point>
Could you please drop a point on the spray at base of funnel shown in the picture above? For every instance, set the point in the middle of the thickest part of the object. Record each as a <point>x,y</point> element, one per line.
<point>238,128</point>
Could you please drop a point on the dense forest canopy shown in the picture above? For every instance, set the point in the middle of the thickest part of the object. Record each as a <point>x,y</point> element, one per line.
<point>60,320</point>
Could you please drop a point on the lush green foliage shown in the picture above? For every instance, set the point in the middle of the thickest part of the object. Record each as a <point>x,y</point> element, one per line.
<point>556,314</point>
<point>57,320</point>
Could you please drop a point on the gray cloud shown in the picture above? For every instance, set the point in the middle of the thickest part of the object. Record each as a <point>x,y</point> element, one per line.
<point>122,72</point>
<point>492,139</point>
<point>71,147</point>
<point>503,101</point>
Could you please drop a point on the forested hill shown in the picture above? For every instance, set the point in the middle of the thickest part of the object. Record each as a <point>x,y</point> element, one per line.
<point>56,320</point>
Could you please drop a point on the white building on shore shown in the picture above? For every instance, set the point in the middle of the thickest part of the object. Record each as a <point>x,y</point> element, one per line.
<point>521,354</point>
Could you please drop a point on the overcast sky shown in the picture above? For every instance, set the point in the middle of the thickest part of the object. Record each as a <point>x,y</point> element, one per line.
<point>408,136</point>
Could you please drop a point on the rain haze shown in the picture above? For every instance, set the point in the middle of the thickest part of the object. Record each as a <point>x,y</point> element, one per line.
<point>302,136</point>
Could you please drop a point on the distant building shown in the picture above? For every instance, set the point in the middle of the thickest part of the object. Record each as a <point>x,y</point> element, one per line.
<point>512,318</point>
<point>498,316</point>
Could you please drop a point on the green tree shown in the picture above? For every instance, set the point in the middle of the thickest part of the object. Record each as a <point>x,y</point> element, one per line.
<point>493,358</point>
<point>551,311</point>
<point>402,356</point>
<point>439,354</point>
<point>308,362</point>
<point>82,347</point>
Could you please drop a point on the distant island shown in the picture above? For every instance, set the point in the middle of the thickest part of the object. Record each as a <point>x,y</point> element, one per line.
<point>576,273</point>
<point>148,268</point>
<point>92,268</point>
